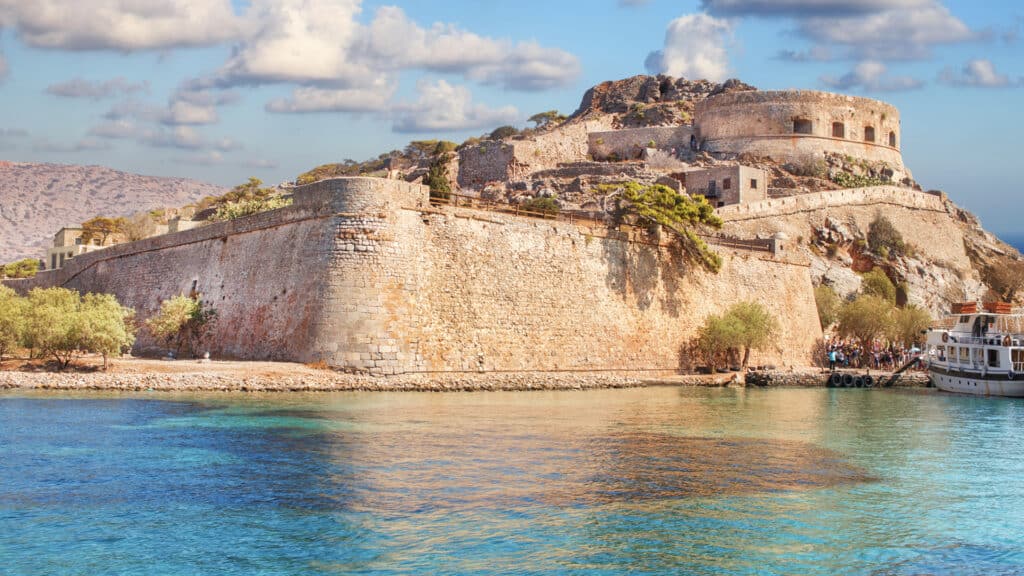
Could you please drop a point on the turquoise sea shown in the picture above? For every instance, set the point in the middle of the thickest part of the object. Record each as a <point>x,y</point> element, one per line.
<point>647,481</point>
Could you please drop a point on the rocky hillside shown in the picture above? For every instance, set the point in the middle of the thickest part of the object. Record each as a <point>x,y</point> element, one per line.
<point>38,199</point>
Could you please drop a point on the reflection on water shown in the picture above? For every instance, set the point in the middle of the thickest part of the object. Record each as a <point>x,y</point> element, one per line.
<point>628,481</point>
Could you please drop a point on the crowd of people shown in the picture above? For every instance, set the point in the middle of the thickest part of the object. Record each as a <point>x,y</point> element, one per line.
<point>880,355</point>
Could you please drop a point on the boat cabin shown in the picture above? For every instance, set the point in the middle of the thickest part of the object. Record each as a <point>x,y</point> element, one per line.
<point>987,343</point>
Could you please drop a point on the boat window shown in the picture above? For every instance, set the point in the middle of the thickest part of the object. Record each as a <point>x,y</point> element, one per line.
<point>993,358</point>
<point>979,355</point>
<point>964,319</point>
<point>965,355</point>
<point>1018,360</point>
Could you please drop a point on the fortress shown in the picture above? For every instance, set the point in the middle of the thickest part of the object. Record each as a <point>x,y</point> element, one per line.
<point>368,275</point>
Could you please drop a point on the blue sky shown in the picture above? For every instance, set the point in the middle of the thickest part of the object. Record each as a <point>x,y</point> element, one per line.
<point>220,90</point>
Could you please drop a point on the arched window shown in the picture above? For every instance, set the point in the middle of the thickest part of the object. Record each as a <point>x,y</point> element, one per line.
<point>892,139</point>
<point>838,130</point>
<point>802,126</point>
<point>869,133</point>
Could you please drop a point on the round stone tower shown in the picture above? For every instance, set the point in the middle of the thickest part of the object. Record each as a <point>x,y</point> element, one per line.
<point>794,125</point>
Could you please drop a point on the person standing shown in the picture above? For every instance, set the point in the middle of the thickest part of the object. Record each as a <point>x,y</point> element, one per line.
<point>832,360</point>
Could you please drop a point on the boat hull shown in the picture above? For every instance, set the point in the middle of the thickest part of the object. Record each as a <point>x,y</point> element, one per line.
<point>967,383</point>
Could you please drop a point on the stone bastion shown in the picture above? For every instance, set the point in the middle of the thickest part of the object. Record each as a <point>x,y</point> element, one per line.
<point>794,125</point>
<point>365,275</point>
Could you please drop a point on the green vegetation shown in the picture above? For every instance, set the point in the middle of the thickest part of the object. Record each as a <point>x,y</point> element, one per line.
<point>678,213</point>
<point>884,239</point>
<point>247,199</point>
<point>809,167</point>
<point>848,180</point>
<point>549,118</point>
<point>541,205</point>
<point>12,321</point>
<point>101,228</point>
<point>877,283</point>
<point>743,327</point>
<point>437,177</point>
<point>828,303</point>
<point>866,318</point>
<point>183,322</point>
<point>63,324</point>
<point>503,132</point>
<point>139,226</point>
<point>908,323</point>
<point>25,268</point>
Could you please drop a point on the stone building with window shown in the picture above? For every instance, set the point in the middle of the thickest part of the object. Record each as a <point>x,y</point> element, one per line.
<point>68,243</point>
<point>726,185</point>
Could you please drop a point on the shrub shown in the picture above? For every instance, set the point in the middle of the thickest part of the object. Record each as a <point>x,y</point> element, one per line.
<point>25,268</point>
<point>63,324</point>
<point>743,327</point>
<point>546,206</point>
<point>883,235</point>
<point>908,323</point>
<point>248,207</point>
<point>437,178</point>
<point>182,322</point>
<point>827,302</point>
<point>866,318</point>
<point>12,321</point>
<point>877,283</point>
<point>503,132</point>
<point>811,167</point>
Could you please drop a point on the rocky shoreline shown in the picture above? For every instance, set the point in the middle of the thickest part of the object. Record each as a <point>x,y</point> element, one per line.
<point>326,381</point>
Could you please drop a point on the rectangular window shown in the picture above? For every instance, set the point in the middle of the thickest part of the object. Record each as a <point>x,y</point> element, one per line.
<point>78,241</point>
<point>993,358</point>
<point>53,261</point>
<point>727,184</point>
<point>1017,356</point>
<point>965,355</point>
<point>753,183</point>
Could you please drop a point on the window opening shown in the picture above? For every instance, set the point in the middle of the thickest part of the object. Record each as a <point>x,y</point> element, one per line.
<point>869,134</point>
<point>838,130</point>
<point>802,126</point>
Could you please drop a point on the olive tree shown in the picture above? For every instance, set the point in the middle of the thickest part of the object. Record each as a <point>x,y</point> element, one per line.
<point>182,322</point>
<point>877,283</point>
<point>908,323</point>
<point>64,324</point>
<point>12,321</point>
<point>866,318</point>
<point>744,327</point>
<point>828,303</point>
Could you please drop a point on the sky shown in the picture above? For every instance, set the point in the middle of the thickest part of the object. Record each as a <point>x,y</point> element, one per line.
<point>220,90</point>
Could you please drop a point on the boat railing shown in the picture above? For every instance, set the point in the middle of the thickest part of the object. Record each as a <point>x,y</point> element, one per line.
<point>1018,367</point>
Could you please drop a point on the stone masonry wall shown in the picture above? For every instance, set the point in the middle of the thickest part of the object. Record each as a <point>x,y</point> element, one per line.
<point>363,274</point>
<point>629,143</point>
<point>762,123</point>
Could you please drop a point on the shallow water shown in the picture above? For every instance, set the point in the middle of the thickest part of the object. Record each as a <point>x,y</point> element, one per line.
<point>650,481</point>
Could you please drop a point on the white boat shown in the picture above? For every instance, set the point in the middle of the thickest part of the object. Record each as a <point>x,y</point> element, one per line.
<point>978,351</point>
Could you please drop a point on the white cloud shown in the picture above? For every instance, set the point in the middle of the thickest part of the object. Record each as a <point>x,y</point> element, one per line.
<point>898,34</point>
<point>80,88</point>
<point>803,8</point>
<point>372,98</point>
<point>117,129</point>
<point>978,73</point>
<point>694,48</point>
<point>872,76</point>
<point>181,137</point>
<point>320,43</point>
<point>442,107</point>
<point>209,158</point>
<point>124,25</point>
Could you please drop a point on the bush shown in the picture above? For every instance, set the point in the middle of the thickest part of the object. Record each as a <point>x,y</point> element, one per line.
<point>61,323</point>
<point>437,178</point>
<point>503,132</point>
<point>828,303</point>
<point>182,322</point>
<point>12,321</point>
<point>546,206</point>
<point>809,167</point>
<point>866,318</point>
<point>883,236</point>
<point>743,327</point>
<point>26,268</point>
<point>908,323</point>
<point>877,283</point>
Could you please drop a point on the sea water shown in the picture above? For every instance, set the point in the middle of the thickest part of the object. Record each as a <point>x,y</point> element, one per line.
<point>646,481</point>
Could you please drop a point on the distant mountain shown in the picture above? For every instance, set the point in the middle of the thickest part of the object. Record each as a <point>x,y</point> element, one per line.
<point>38,199</point>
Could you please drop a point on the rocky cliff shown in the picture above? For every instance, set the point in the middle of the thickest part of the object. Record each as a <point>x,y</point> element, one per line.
<point>38,199</point>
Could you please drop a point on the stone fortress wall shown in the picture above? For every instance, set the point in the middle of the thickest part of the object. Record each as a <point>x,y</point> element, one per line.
<point>363,274</point>
<point>792,125</point>
<point>629,143</point>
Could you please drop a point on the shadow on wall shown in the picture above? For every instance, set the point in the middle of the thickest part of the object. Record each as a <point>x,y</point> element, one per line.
<point>639,271</point>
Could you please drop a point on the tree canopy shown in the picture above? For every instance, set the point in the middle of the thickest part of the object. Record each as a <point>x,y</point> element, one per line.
<point>182,322</point>
<point>543,119</point>
<point>679,213</point>
<point>877,283</point>
<point>101,228</point>
<point>828,303</point>
<point>908,323</point>
<point>745,326</point>
<point>25,268</point>
<point>866,318</point>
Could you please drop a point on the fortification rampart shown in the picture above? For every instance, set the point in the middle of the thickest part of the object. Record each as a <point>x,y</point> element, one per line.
<point>362,274</point>
<point>630,143</point>
<point>793,125</point>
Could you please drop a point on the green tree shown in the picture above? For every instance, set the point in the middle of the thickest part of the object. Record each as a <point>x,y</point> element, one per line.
<point>541,205</point>
<point>101,228</point>
<point>876,283</point>
<point>182,322</point>
<point>908,323</point>
<point>544,119</point>
<point>503,132</point>
<point>437,177</point>
<point>828,304</point>
<point>679,213</point>
<point>107,328</point>
<point>884,238</point>
<point>716,340</point>
<point>744,327</point>
<point>12,321</point>
<point>866,318</point>
<point>25,268</point>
